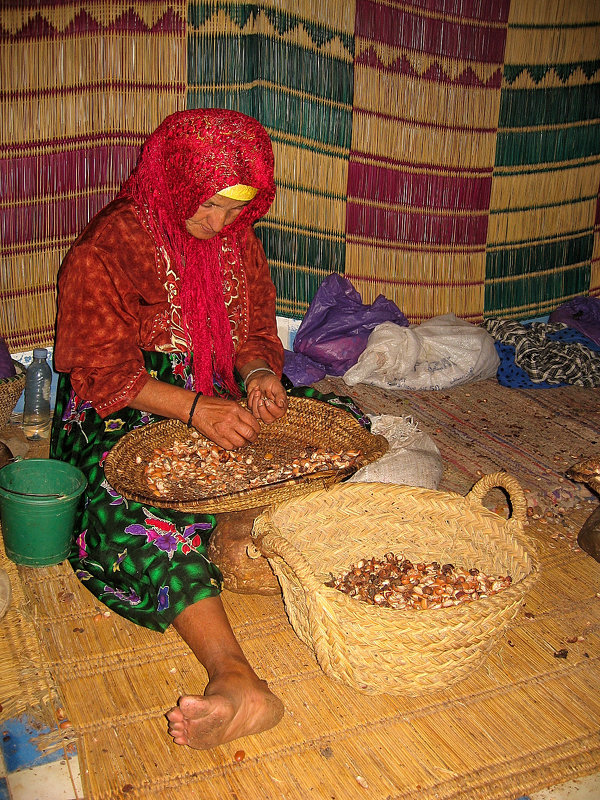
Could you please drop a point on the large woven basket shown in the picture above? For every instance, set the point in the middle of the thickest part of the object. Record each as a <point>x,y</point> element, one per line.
<point>307,422</point>
<point>380,649</point>
<point>10,391</point>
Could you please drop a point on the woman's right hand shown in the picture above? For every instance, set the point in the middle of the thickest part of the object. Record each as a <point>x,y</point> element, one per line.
<point>225,422</point>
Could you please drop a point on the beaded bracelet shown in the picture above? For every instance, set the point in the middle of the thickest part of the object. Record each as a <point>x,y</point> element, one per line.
<point>193,408</point>
<point>258,369</point>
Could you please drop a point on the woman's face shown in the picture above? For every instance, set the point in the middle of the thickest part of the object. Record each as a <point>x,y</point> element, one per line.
<point>213,215</point>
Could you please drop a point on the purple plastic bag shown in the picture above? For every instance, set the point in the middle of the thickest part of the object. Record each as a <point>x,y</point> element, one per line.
<point>581,313</point>
<point>7,368</point>
<point>301,370</point>
<point>336,327</point>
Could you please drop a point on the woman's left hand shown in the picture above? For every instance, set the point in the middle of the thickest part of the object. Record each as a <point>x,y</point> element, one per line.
<point>267,398</point>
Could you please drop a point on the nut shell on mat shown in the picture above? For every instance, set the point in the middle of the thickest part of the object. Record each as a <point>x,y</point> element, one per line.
<point>307,422</point>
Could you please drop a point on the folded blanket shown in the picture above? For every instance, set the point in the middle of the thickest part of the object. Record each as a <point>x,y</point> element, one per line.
<point>540,355</point>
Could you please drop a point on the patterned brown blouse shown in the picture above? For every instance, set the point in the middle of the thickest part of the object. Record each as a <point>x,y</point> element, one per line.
<point>117,297</point>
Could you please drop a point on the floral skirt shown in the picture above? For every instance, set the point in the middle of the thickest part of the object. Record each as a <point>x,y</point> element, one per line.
<point>145,563</point>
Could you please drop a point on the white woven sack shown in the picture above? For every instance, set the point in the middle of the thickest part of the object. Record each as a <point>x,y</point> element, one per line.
<point>412,460</point>
<point>439,353</point>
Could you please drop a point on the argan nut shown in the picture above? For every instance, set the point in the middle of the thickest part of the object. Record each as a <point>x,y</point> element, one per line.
<point>240,755</point>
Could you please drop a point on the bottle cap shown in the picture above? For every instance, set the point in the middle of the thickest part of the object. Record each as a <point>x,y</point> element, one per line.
<point>40,352</point>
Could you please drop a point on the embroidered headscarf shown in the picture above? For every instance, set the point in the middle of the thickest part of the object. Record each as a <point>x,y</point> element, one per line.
<point>192,156</point>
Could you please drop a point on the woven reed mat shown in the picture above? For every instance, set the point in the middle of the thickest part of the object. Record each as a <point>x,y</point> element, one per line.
<point>526,720</point>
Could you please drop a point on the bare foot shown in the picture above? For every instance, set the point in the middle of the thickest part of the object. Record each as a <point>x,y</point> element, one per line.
<point>234,704</point>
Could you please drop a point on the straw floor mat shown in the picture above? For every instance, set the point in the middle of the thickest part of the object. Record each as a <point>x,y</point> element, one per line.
<point>526,720</point>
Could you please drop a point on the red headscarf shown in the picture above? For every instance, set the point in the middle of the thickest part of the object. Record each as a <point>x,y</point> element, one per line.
<point>190,157</point>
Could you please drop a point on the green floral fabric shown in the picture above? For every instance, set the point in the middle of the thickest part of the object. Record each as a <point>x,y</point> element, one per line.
<point>145,563</point>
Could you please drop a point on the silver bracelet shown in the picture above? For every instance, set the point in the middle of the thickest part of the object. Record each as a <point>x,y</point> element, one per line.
<point>258,369</point>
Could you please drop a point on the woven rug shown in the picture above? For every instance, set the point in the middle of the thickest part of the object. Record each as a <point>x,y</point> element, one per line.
<point>482,427</point>
<point>526,720</point>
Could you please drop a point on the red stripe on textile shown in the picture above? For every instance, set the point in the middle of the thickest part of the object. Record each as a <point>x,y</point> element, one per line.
<point>434,73</point>
<point>86,140</point>
<point>43,288</point>
<point>418,189</point>
<point>100,86</point>
<point>40,27</point>
<point>392,225</point>
<point>45,246</point>
<point>32,177</point>
<point>487,10</point>
<point>414,247</point>
<point>416,165</point>
<point>433,125</point>
<point>417,282</point>
<point>48,219</point>
<point>30,337</point>
<point>399,28</point>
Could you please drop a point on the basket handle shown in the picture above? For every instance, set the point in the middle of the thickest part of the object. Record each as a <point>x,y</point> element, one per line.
<point>271,544</point>
<point>513,488</point>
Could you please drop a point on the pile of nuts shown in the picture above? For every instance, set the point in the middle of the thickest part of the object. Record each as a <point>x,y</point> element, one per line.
<point>396,582</point>
<point>187,466</point>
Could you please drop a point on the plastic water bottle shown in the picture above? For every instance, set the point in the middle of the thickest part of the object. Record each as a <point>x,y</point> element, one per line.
<point>36,412</point>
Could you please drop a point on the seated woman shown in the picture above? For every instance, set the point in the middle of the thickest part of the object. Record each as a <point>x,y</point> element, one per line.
<point>165,305</point>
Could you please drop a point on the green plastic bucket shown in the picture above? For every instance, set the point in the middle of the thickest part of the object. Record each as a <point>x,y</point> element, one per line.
<point>38,529</point>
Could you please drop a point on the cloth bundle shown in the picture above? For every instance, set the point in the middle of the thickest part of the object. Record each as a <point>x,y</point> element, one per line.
<point>442,352</point>
<point>7,368</point>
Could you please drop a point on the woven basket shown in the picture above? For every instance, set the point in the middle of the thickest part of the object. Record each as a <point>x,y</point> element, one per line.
<point>10,391</point>
<point>380,649</point>
<point>307,422</point>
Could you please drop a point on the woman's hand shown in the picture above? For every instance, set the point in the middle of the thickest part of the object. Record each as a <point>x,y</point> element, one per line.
<point>267,399</point>
<point>225,422</point>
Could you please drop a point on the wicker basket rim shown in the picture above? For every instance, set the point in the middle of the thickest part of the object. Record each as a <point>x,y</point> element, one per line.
<point>413,493</point>
<point>20,376</point>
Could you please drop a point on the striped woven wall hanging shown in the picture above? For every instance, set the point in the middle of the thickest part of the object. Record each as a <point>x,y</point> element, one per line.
<point>427,94</point>
<point>547,171</point>
<point>289,65</point>
<point>83,85</point>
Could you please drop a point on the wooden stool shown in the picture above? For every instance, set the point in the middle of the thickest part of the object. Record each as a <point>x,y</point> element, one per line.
<point>245,570</point>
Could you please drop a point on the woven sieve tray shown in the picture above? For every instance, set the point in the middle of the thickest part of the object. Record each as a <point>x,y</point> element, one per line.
<point>307,422</point>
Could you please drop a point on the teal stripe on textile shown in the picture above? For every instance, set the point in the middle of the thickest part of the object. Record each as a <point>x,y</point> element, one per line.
<point>303,95</point>
<point>521,108</point>
<point>537,206</point>
<point>248,58</point>
<point>546,146</point>
<point>282,21</point>
<point>529,259</point>
<point>538,72</point>
<point>303,248</point>
<point>557,168</point>
<point>278,110</point>
<point>312,256</point>
<point>544,291</point>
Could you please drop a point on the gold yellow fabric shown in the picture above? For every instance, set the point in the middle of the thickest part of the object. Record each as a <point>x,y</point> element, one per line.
<point>239,192</point>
